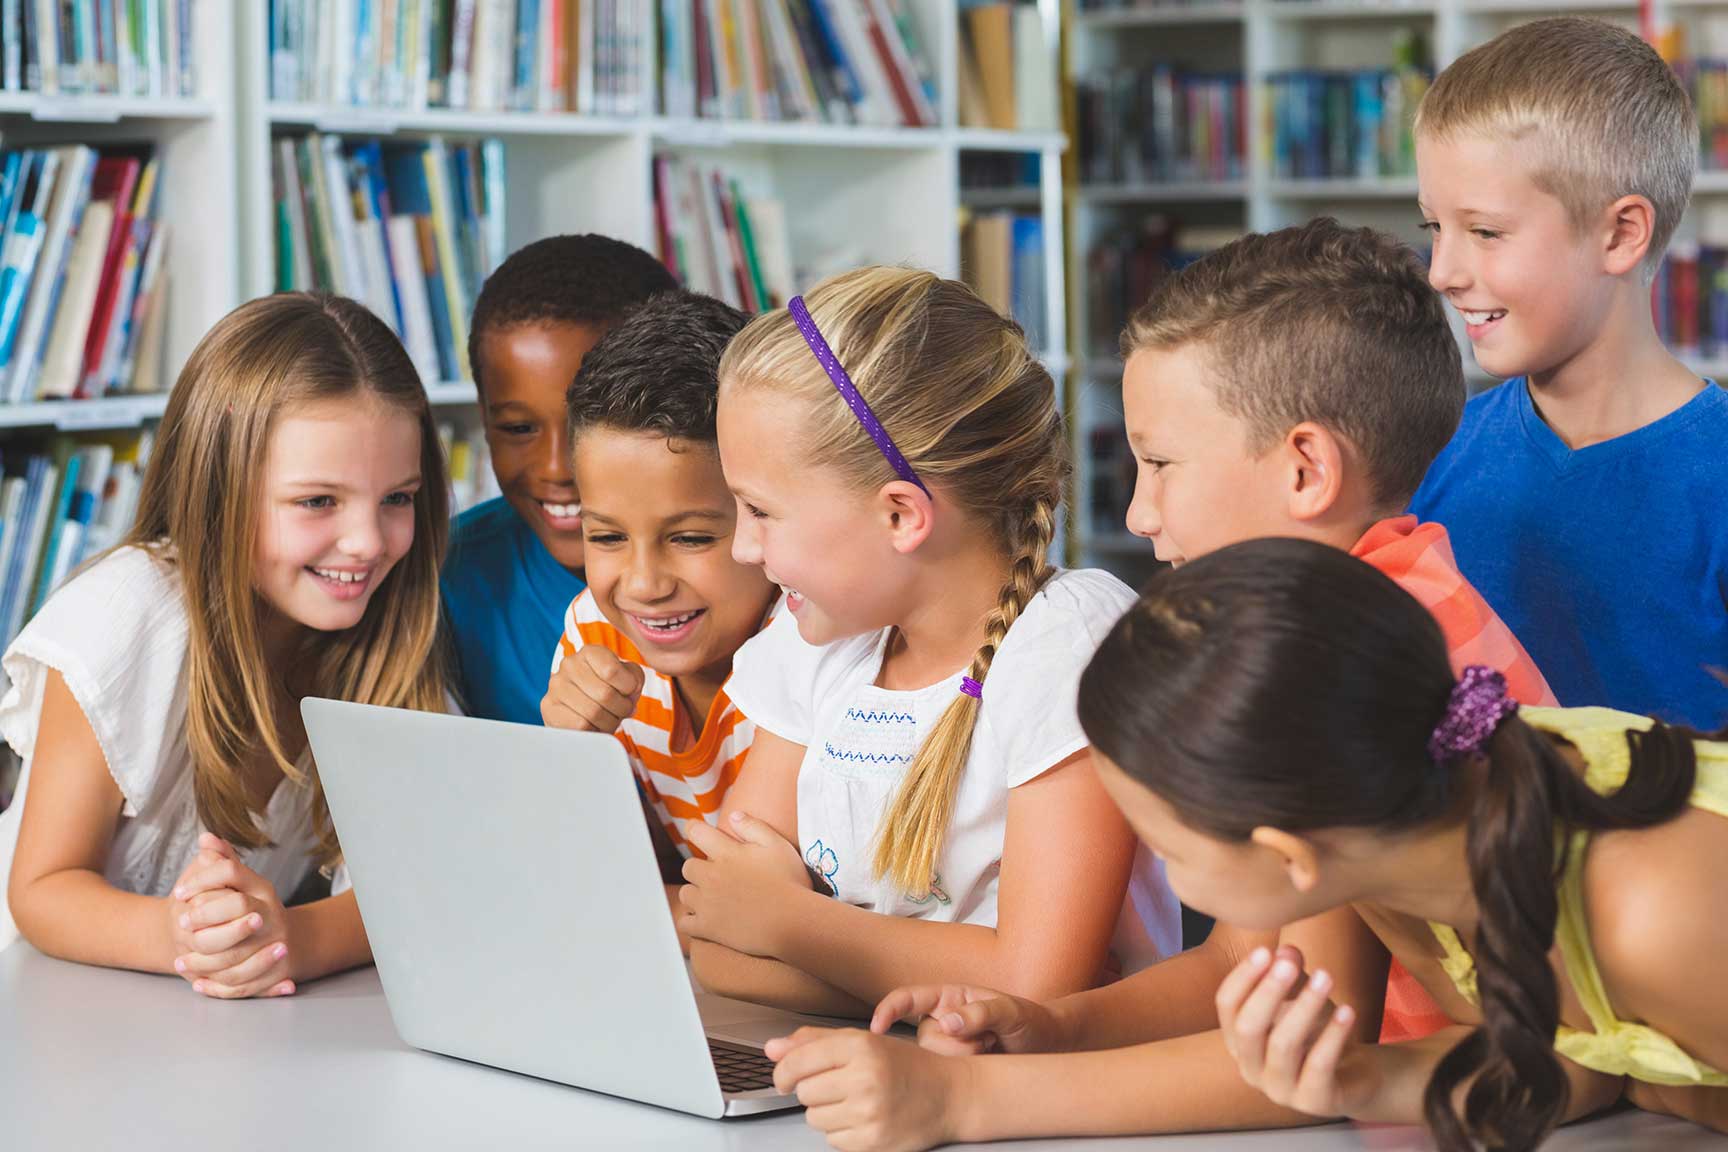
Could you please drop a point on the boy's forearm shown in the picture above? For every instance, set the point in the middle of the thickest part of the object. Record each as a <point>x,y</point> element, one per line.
<point>1188,1084</point>
<point>733,974</point>
<point>326,937</point>
<point>77,915</point>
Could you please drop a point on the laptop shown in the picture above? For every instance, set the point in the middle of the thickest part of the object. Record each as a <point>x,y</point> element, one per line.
<point>516,912</point>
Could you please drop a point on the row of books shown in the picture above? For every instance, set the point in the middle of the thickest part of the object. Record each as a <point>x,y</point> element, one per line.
<point>1707,80</point>
<point>111,47</point>
<point>1002,258</point>
<point>1342,125</point>
<point>832,61</point>
<point>1690,300</point>
<point>410,228</point>
<point>581,56</point>
<point>1161,125</point>
<point>472,480</point>
<point>1007,78</point>
<point>1124,266</point>
<point>717,239</point>
<point>83,274</point>
<point>61,503</point>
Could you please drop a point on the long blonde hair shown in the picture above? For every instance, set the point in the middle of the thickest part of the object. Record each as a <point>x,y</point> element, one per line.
<point>975,414</point>
<point>198,510</point>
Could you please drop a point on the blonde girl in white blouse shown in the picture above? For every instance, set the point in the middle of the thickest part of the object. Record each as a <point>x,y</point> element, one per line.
<point>290,527</point>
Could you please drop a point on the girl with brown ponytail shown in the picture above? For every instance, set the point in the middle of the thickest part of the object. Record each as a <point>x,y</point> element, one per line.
<point>920,797</point>
<point>1279,722</point>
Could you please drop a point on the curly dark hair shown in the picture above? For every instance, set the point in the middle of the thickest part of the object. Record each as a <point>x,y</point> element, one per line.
<point>587,280</point>
<point>657,370</point>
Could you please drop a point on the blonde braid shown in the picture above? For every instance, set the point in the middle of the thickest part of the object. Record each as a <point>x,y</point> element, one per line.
<point>916,823</point>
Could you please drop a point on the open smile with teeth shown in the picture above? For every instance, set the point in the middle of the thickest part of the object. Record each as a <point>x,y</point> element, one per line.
<point>1476,318</point>
<point>669,623</point>
<point>561,511</point>
<point>341,576</point>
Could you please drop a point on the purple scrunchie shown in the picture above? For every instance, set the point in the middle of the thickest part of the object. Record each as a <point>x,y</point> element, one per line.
<point>1478,706</point>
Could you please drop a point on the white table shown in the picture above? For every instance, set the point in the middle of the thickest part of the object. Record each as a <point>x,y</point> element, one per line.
<point>98,1059</point>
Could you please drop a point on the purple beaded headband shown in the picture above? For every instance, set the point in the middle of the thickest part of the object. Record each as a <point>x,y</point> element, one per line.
<point>1477,707</point>
<point>849,392</point>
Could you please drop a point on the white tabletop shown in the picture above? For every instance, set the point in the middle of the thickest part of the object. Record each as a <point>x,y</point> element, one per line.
<point>98,1059</point>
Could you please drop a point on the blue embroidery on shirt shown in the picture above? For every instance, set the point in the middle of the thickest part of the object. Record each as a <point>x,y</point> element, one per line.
<point>822,858</point>
<point>874,717</point>
<point>834,753</point>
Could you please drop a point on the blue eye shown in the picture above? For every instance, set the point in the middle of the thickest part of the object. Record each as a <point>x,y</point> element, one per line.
<point>317,503</point>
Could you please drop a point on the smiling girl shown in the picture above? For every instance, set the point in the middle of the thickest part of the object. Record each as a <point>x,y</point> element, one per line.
<point>287,545</point>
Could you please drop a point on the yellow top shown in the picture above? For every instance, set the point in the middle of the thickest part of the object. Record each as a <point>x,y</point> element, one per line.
<point>1616,1047</point>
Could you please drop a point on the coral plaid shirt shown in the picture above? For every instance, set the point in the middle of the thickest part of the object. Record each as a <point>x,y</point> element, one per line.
<point>1418,557</point>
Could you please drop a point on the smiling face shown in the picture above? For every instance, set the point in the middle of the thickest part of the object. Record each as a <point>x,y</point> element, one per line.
<point>526,369</point>
<point>822,541</point>
<point>1198,485</point>
<point>659,525</point>
<point>1528,282</point>
<point>336,509</point>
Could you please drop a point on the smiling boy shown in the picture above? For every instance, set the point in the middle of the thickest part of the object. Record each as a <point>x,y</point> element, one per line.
<point>1585,494</point>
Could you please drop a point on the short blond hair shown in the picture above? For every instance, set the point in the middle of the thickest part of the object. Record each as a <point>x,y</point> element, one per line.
<point>1601,115</point>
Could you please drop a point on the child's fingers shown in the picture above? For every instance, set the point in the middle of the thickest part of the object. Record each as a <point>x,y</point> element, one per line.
<point>225,873</point>
<point>1255,1018</point>
<point>813,1057</point>
<point>1235,988</point>
<point>780,1045</point>
<point>618,698</point>
<point>822,1089</point>
<point>226,907</point>
<point>708,840</point>
<point>1317,1089</point>
<point>1288,1042</point>
<point>753,831</point>
<point>910,1004</point>
<point>269,963</point>
<point>226,935</point>
<point>210,842</point>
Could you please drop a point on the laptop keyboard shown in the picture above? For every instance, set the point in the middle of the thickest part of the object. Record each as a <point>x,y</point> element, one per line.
<point>741,1069</point>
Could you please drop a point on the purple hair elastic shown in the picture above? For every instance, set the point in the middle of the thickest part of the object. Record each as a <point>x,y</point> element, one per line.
<point>1478,706</point>
<point>971,687</point>
<point>849,392</point>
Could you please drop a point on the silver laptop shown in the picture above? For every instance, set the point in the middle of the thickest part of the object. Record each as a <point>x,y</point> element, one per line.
<point>516,912</point>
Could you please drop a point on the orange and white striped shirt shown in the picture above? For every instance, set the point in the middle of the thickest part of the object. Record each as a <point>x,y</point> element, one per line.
<point>683,785</point>
<point>1418,558</point>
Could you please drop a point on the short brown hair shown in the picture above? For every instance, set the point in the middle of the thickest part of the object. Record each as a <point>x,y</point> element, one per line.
<point>1598,111</point>
<point>1324,323</point>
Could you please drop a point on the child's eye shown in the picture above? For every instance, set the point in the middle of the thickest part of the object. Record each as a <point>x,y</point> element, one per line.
<point>316,503</point>
<point>1155,465</point>
<point>688,540</point>
<point>606,538</point>
<point>755,512</point>
<point>516,429</point>
<point>400,499</point>
<point>1485,233</point>
<point>1432,227</point>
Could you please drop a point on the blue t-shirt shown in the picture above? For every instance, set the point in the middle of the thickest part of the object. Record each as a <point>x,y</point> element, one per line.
<point>1609,563</point>
<point>504,602</point>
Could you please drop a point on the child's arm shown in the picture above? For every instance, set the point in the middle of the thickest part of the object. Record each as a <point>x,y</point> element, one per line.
<point>724,972</point>
<point>1056,910</point>
<point>59,897</point>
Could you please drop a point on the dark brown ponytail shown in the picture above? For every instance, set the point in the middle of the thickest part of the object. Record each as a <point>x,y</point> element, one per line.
<point>1529,793</point>
<point>1282,683</point>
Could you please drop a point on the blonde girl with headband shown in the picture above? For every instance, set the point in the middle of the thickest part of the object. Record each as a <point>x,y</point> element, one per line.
<point>289,531</point>
<point>920,799</point>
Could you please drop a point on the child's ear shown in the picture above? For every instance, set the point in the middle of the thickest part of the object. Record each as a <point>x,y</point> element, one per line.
<point>1299,855</point>
<point>1631,223</point>
<point>1316,460</point>
<point>909,513</point>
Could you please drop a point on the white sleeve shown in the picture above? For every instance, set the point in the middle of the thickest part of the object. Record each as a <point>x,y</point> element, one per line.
<point>774,679</point>
<point>117,636</point>
<point>1030,712</point>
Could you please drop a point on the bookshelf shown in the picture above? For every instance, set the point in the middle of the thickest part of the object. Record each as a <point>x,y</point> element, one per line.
<point>1173,214</point>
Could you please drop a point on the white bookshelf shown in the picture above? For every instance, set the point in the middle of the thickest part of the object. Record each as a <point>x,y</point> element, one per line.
<point>853,194</point>
<point>1259,38</point>
<point>195,139</point>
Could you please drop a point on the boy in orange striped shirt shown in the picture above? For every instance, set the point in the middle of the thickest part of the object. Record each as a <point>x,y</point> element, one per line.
<point>647,647</point>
